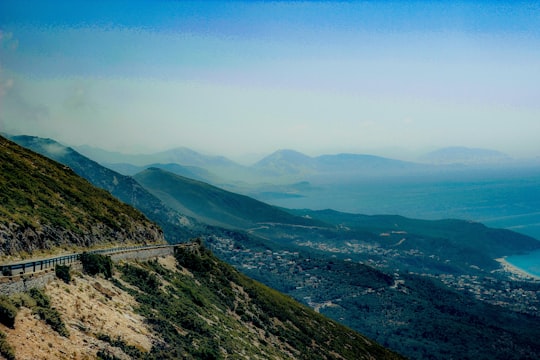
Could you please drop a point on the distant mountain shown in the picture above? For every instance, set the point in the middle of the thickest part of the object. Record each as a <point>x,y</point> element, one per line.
<point>204,166</point>
<point>192,172</point>
<point>210,204</point>
<point>289,163</point>
<point>45,205</point>
<point>286,163</point>
<point>466,156</point>
<point>177,227</point>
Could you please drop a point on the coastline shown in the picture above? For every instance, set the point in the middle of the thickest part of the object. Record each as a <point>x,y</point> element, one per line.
<point>520,273</point>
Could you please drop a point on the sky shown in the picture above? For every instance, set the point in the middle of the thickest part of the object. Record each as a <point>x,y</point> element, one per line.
<point>245,78</point>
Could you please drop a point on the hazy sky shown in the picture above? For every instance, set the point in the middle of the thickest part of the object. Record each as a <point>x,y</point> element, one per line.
<point>236,78</point>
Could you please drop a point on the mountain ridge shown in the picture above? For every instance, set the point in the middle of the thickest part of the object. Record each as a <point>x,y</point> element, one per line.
<point>45,205</point>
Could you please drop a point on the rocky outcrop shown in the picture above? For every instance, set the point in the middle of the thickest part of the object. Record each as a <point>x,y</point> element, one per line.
<point>15,238</point>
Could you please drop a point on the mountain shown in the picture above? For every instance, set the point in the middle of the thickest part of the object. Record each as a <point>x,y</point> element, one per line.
<point>191,172</point>
<point>176,227</point>
<point>427,289</point>
<point>286,163</point>
<point>426,297</point>
<point>455,244</point>
<point>289,163</point>
<point>190,306</point>
<point>187,306</point>
<point>466,156</point>
<point>45,206</point>
<point>210,167</point>
<point>211,204</point>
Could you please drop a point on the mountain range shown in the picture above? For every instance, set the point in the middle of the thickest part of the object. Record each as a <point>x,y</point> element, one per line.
<point>284,166</point>
<point>427,289</point>
<point>190,305</point>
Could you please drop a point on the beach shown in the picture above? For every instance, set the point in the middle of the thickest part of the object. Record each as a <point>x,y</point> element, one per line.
<point>519,273</point>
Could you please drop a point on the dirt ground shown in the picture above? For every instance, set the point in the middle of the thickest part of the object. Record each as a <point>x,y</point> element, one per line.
<point>88,306</point>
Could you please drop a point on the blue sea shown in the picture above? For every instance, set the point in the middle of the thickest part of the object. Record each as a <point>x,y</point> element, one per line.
<point>528,262</point>
<point>503,199</point>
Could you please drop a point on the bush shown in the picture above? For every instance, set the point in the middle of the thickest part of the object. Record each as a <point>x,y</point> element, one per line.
<point>8,312</point>
<point>52,317</point>
<point>42,300</point>
<point>102,355</point>
<point>142,278</point>
<point>5,349</point>
<point>23,299</point>
<point>94,264</point>
<point>6,271</point>
<point>63,272</point>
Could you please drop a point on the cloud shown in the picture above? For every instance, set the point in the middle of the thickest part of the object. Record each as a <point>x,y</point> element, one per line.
<point>55,149</point>
<point>18,114</point>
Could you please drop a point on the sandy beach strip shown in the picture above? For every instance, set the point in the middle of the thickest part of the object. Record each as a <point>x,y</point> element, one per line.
<point>520,273</point>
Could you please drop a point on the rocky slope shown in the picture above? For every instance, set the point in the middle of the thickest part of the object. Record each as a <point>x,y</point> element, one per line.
<point>186,306</point>
<point>44,206</point>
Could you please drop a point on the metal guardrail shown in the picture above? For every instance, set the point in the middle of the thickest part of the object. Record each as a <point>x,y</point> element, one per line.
<point>32,266</point>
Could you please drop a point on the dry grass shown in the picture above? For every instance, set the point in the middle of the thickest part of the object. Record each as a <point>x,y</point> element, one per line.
<point>89,306</point>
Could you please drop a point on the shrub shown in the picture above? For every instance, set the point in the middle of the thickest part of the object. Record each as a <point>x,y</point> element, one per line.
<point>6,271</point>
<point>103,355</point>
<point>42,300</point>
<point>8,312</point>
<point>23,299</point>
<point>52,317</point>
<point>143,279</point>
<point>63,272</point>
<point>5,349</point>
<point>94,264</point>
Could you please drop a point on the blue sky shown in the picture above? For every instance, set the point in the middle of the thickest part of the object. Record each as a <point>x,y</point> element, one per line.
<point>239,78</point>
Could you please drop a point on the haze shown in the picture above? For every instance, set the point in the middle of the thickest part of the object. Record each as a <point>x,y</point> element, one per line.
<point>240,78</point>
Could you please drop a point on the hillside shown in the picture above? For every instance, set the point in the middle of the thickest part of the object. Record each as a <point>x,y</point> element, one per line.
<point>456,244</point>
<point>190,306</point>
<point>210,204</point>
<point>44,206</point>
<point>176,227</point>
<point>406,283</point>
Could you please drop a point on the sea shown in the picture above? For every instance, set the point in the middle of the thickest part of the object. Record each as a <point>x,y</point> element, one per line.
<point>529,263</point>
<point>500,199</point>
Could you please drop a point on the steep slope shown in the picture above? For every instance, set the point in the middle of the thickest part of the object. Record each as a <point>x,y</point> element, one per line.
<point>417,315</point>
<point>190,306</point>
<point>45,205</point>
<point>176,227</point>
<point>210,204</point>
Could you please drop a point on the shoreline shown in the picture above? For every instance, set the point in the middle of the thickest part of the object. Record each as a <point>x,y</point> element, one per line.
<point>511,268</point>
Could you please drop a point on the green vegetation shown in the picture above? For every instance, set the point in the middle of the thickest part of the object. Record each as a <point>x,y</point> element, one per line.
<point>94,264</point>
<point>8,312</point>
<point>63,272</point>
<point>5,348</point>
<point>210,204</point>
<point>129,350</point>
<point>43,196</point>
<point>218,313</point>
<point>50,315</point>
<point>414,315</point>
